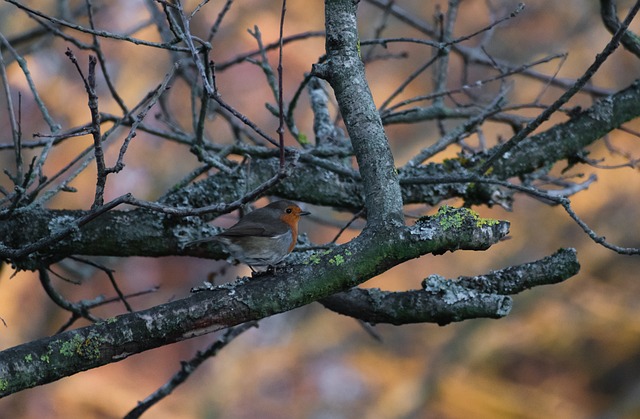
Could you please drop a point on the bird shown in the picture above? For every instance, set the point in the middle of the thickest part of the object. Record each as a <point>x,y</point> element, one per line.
<point>262,237</point>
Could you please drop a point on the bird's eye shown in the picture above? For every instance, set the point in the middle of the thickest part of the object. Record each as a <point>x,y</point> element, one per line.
<point>288,210</point>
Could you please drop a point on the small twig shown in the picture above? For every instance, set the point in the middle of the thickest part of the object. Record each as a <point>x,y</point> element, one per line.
<point>188,39</point>
<point>377,32</point>
<point>103,34</point>
<point>243,57</point>
<point>100,301</point>
<point>441,68</point>
<point>188,367</point>
<point>629,40</point>
<point>280,88</point>
<point>109,273</point>
<point>263,63</point>
<point>103,62</point>
<point>464,129</point>
<point>519,8</point>
<point>16,132</point>
<point>411,78</point>
<point>346,226</point>
<point>53,126</point>
<point>204,105</point>
<point>216,25</point>
<point>64,278</point>
<point>64,185</point>
<point>469,53</point>
<point>78,309</point>
<point>218,98</point>
<point>474,85</point>
<point>90,88</point>
<point>151,99</point>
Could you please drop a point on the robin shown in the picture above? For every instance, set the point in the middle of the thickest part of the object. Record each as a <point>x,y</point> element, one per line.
<point>262,237</point>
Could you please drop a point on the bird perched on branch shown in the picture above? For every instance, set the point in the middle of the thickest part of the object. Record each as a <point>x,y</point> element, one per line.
<point>264,236</point>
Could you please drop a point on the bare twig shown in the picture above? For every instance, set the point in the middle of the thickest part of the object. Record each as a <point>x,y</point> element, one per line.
<point>16,132</point>
<point>243,57</point>
<point>53,126</point>
<point>109,273</point>
<point>100,33</point>
<point>469,53</point>
<point>97,49</point>
<point>100,301</point>
<point>218,98</point>
<point>90,88</point>
<point>216,25</point>
<point>188,367</point>
<point>280,88</point>
<point>630,40</point>
<point>463,130</point>
<point>77,309</point>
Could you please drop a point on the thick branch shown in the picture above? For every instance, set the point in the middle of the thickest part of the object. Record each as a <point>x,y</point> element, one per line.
<point>566,139</point>
<point>444,301</point>
<point>344,70</point>
<point>377,306</point>
<point>318,276</point>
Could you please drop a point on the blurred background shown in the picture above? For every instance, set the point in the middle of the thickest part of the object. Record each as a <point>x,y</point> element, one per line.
<point>566,351</point>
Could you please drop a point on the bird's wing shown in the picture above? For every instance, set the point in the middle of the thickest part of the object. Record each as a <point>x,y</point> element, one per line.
<point>251,230</point>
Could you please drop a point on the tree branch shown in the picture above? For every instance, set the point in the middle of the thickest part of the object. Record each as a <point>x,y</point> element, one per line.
<point>444,301</point>
<point>317,276</point>
<point>344,70</point>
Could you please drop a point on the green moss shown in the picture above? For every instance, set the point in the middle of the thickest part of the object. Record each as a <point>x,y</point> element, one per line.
<point>70,347</point>
<point>316,258</point>
<point>79,346</point>
<point>45,358</point>
<point>303,139</point>
<point>337,260</point>
<point>450,217</point>
<point>4,384</point>
<point>481,222</point>
<point>28,358</point>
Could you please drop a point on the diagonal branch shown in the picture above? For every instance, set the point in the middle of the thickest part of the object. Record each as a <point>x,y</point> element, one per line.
<point>443,301</point>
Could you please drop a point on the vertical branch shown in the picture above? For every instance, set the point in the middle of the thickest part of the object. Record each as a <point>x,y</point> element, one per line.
<point>90,87</point>
<point>101,180</point>
<point>344,70</point>
<point>188,40</point>
<point>442,65</point>
<point>280,89</point>
<point>15,126</point>
<point>204,103</point>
